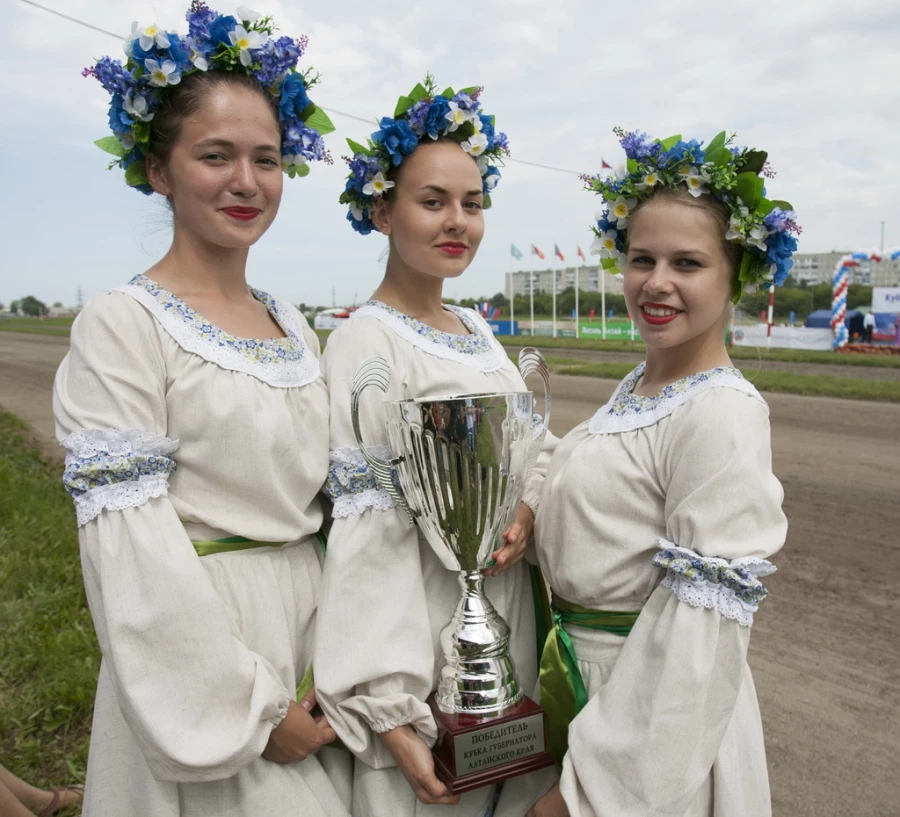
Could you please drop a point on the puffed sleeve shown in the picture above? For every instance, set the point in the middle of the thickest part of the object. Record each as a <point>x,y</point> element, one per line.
<point>374,657</point>
<point>645,744</point>
<point>200,704</point>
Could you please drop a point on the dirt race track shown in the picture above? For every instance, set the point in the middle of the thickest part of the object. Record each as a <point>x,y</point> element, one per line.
<point>826,647</point>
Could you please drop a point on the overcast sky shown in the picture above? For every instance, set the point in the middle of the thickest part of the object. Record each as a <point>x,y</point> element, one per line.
<point>813,82</point>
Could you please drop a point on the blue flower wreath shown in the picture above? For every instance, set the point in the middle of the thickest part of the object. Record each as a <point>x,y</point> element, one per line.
<point>158,60</point>
<point>420,115</point>
<point>734,175</point>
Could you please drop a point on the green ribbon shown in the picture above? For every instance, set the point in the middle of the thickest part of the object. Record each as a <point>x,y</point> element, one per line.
<point>563,694</point>
<point>230,544</point>
<point>543,614</point>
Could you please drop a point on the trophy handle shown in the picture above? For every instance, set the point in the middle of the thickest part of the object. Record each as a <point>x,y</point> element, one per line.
<point>531,361</point>
<point>374,371</point>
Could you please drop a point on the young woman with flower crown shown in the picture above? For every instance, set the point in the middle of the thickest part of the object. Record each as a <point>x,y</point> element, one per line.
<point>659,514</point>
<point>195,421</point>
<point>423,181</point>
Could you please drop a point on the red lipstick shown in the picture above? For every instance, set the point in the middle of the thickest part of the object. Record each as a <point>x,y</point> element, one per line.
<point>452,247</point>
<point>242,213</point>
<point>658,320</point>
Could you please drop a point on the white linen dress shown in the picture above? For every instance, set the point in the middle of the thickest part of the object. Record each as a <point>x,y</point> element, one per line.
<point>666,505</point>
<point>386,596</point>
<point>178,432</point>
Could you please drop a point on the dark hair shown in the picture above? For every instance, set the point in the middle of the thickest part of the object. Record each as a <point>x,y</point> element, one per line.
<point>187,98</point>
<point>733,250</point>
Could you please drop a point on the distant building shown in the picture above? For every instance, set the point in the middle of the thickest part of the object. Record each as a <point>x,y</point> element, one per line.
<point>588,281</point>
<point>818,268</point>
<point>63,311</point>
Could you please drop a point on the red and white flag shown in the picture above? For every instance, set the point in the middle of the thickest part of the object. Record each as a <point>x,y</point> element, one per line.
<point>536,251</point>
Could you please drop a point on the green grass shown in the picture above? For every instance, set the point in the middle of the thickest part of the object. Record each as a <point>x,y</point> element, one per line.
<point>785,382</point>
<point>37,326</point>
<point>736,352</point>
<point>49,658</point>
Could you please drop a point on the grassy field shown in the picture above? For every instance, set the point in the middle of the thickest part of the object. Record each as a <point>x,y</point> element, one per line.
<point>37,326</point>
<point>736,352</point>
<point>49,658</point>
<point>785,382</point>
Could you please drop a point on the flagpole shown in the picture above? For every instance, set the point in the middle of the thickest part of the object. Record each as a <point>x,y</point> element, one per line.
<point>602,273</point>
<point>512,296</point>
<point>531,285</point>
<point>554,299</point>
<point>577,267</point>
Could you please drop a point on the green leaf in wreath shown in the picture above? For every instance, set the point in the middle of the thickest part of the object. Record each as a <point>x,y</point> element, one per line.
<point>403,105</point>
<point>318,119</point>
<point>754,161</point>
<point>417,94</point>
<point>356,147</point>
<point>136,174</point>
<point>668,144</point>
<point>749,187</point>
<point>111,145</point>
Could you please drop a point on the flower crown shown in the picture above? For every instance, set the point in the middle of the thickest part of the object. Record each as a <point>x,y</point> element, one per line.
<point>158,60</point>
<point>422,113</point>
<point>734,175</point>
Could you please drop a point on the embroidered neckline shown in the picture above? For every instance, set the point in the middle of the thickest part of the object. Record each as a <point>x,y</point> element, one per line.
<point>479,349</point>
<point>282,362</point>
<point>627,411</point>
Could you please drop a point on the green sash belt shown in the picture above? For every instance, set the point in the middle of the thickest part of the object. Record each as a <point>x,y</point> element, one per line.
<point>207,547</point>
<point>563,694</point>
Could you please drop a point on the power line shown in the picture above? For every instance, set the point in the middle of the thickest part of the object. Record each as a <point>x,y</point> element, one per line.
<point>328,110</point>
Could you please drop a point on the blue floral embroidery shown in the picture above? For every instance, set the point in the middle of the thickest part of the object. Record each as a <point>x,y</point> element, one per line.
<point>476,343</point>
<point>737,580</point>
<point>267,351</point>
<point>83,474</point>
<point>348,478</point>
<point>627,403</point>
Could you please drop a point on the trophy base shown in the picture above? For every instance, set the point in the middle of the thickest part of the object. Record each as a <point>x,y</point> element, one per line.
<point>474,751</point>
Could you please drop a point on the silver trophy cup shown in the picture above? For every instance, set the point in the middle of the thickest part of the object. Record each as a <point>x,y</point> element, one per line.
<point>458,469</point>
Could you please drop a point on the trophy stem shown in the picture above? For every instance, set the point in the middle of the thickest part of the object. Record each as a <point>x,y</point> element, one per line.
<point>478,676</point>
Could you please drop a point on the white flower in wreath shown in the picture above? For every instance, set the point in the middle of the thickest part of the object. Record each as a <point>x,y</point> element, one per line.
<point>162,75</point>
<point>757,237</point>
<point>197,59</point>
<point>148,36</point>
<point>377,185</point>
<point>247,41</point>
<point>605,245</point>
<point>735,230</point>
<point>247,15</point>
<point>357,212</point>
<point>456,116</point>
<point>136,107</point>
<point>696,180</point>
<point>476,144</point>
<point>621,209</point>
<point>649,180</point>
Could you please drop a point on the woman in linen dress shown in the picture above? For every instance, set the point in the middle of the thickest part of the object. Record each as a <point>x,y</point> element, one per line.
<point>659,515</point>
<point>386,596</point>
<point>195,456</point>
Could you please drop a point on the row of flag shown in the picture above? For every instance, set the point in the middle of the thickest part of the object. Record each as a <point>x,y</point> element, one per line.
<point>517,253</point>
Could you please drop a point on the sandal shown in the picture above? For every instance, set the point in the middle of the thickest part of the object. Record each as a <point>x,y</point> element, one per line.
<point>56,801</point>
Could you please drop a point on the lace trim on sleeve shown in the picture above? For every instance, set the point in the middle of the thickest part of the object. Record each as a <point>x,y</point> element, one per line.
<point>731,588</point>
<point>350,484</point>
<point>111,469</point>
